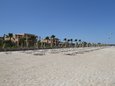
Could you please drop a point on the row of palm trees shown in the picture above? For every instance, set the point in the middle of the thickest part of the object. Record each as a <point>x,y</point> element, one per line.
<point>7,43</point>
<point>79,43</point>
<point>51,42</point>
<point>24,42</point>
<point>70,41</point>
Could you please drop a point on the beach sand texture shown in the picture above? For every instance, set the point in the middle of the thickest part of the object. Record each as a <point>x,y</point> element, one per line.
<point>29,68</point>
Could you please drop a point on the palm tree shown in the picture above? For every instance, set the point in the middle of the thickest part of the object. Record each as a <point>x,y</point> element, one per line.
<point>10,35</point>
<point>27,43</point>
<point>9,43</point>
<point>79,42</point>
<point>39,43</point>
<point>22,42</point>
<point>68,42</point>
<point>75,42</point>
<point>84,44</point>
<point>89,44</point>
<point>52,40</point>
<point>98,44</point>
<point>65,42</point>
<point>4,43</point>
<point>65,39</point>
<point>47,39</point>
<point>34,40</point>
<point>71,42</point>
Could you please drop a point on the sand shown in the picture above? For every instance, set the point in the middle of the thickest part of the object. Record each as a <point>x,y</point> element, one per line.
<point>62,67</point>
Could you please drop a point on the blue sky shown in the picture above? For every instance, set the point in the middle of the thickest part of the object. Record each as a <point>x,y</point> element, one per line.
<point>88,20</point>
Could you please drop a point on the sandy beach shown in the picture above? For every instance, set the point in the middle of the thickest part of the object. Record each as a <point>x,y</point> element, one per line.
<point>58,67</point>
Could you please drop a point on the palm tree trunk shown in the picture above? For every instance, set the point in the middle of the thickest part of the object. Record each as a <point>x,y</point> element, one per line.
<point>51,43</point>
<point>4,44</point>
<point>27,41</point>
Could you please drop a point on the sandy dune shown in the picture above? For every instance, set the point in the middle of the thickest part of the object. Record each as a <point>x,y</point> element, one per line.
<point>62,67</point>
